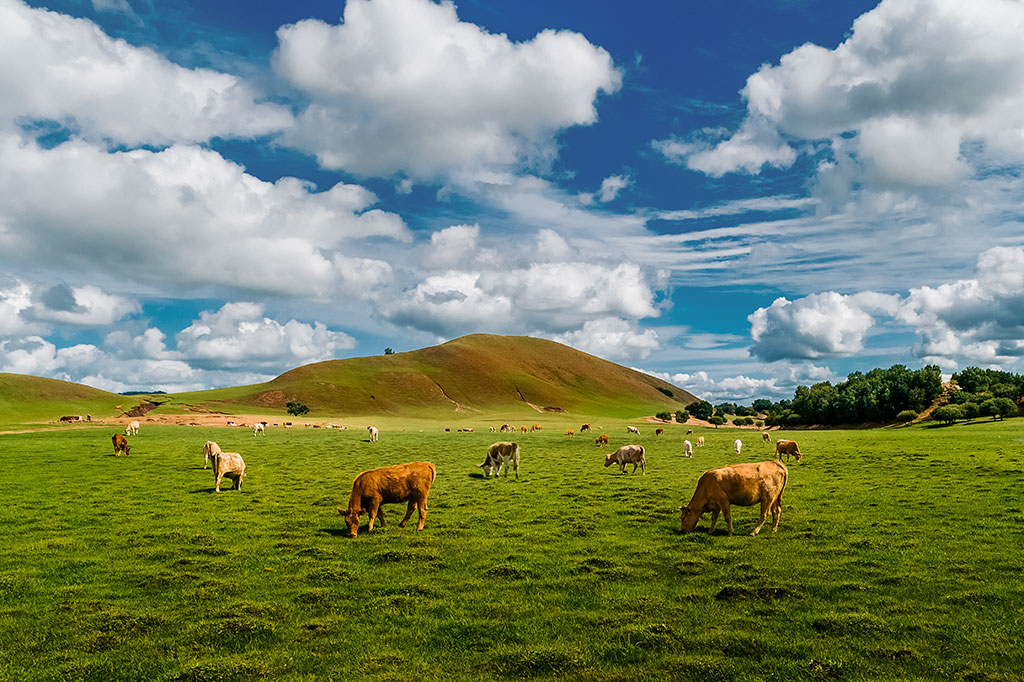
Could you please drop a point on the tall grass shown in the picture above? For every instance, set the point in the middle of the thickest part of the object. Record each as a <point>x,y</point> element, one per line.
<point>897,558</point>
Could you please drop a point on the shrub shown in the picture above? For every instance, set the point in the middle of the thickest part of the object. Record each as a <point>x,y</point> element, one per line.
<point>296,408</point>
<point>948,413</point>
<point>664,416</point>
<point>716,420</point>
<point>906,416</point>
<point>666,391</point>
<point>970,410</point>
<point>998,408</point>
<point>682,416</point>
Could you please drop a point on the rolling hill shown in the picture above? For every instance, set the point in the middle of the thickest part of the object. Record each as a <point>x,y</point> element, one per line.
<point>477,374</point>
<point>25,399</point>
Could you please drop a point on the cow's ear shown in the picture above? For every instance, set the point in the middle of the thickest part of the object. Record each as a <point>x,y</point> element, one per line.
<point>343,512</point>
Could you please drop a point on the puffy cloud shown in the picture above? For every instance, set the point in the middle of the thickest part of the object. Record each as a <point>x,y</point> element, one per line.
<point>553,297</point>
<point>780,381</point>
<point>452,246</point>
<point>914,81</point>
<point>820,325</point>
<point>57,68</point>
<point>15,298</point>
<point>612,186</point>
<point>612,338</point>
<point>239,335</point>
<point>84,306</point>
<point>183,216</point>
<point>404,85</point>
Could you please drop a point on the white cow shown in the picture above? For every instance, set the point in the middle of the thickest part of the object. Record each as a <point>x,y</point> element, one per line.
<point>632,429</point>
<point>688,448</point>
<point>209,450</point>
<point>765,438</point>
<point>258,430</point>
<point>132,429</point>
<point>229,465</point>
<point>373,433</point>
<point>738,445</point>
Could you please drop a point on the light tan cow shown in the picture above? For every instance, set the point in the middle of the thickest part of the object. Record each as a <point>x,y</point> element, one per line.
<point>688,448</point>
<point>408,482</point>
<point>228,465</point>
<point>501,454</point>
<point>740,484</point>
<point>766,437</point>
<point>628,454</point>
<point>209,450</point>
<point>132,429</point>
<point>787,448</point>
<point>700,441</point>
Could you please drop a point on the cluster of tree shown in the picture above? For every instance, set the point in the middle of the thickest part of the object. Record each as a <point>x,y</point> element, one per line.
<point>997,408</point>
<point>990,383</point>
<point>878,396</point>
<point>297,409</point>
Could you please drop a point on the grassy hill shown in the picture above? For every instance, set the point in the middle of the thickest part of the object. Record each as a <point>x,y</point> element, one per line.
<point>25,399</point>
<point>474,374</point>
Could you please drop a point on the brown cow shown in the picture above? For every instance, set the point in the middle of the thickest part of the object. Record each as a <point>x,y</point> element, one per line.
<point>535,427</point>
<point>628,454</point>
<point>788,447</point>
<point>501,454</point>
<point>741,484</point>
<point>585,427</point>
<point>120,445</point>
<point>570,432</point>
<point>408,482</point>
<point>658,432</point>
<point>602,439</point>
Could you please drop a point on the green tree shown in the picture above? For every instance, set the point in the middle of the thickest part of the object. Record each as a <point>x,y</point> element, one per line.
<point>906,416</point>
<point>971,410</point>
<point>948,414</point>
<point>682,416</point>
<point>998,408</point>
<point>762,405</point>
<point>297,409</point>
<point>716,420</point>
<point>664,416</point>
<point>701,409</point>
<point>389,351</point>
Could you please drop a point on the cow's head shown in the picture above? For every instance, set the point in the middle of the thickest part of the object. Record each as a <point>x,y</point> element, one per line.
<point>127,450</point>
<point>688,519</point>
<point>352,519</point>
<point>608,458</point>
<point>798,455</point>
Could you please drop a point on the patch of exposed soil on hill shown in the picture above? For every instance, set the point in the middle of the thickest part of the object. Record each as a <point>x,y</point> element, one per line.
<point>141,409</point>
<point>272,399</point>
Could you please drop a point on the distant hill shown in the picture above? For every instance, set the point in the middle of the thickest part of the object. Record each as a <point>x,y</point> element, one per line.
<point>36,399</point>
<point>481,373</point>
<point>477,374</point>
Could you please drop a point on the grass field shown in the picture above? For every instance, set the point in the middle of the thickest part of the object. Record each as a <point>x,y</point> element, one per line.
<point>898,558</point>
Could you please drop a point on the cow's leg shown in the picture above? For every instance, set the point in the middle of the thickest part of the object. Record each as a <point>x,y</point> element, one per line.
<point>515,465</point>
<point>776,515</point>
<point>374,509</point>
<point>714,520</point>
<point>238,483</point>
<point>728,516</point>
<point>408,513</point>
<point>217,487</point>
<point>380,515</point>
<point>765,505</point>
<point>422,505</point>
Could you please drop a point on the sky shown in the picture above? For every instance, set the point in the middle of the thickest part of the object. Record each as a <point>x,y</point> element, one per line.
<point>737,197</point>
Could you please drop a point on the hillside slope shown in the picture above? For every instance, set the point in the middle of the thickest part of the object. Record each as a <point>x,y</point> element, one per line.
<point>472,374</point>
<point>26,398</point>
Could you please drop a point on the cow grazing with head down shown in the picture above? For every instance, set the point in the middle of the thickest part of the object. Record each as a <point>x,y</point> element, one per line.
<point>374,434</point>
<point>132,429</point>
<point>740,484</point>
<point>766,437</point>
<point>585,427</point>
<point>501,454</point>
<point>228,465</point>
<point>658,432</point>
<point>689,432</point>
<point>787,448</point>
<point>700,441</point>
<point>632,429</point>
<point>628,454</point>
<point>570,432</point>
<point>258,429</point>
<point>408,482</point>
<point>602,439</point>
<point>506,428</point>
<point>737,445</point>
<point>688,448</point>
<point>120,445</point>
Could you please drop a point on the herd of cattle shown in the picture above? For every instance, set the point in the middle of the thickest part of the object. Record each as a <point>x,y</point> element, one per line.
<point>717,489</point>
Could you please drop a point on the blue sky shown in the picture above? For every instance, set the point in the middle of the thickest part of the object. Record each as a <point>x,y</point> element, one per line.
<point>739,197</point>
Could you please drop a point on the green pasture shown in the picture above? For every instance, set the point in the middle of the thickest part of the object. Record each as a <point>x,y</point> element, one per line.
<point>898,558</point>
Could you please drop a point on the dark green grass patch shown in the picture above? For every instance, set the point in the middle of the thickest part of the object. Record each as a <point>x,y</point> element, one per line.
<point>896,558</point>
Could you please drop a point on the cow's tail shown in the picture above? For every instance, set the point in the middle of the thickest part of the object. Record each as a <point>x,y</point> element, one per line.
<point>515,453</point>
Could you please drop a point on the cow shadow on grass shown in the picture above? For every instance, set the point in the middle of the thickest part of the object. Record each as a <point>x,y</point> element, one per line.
<point>336,532</point>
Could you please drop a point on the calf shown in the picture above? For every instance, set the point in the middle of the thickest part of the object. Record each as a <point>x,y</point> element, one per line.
<point>228,465</point>
<point>740,484</point>
<point>498,455</point>
<point>688,448</point>
<point>628,454</point>
<point>787,448</point>
<point>120,445</point>
<point>397,483</point>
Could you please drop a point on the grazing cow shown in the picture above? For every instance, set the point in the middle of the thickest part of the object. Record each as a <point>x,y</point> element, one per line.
<point>506,428</point>
<point>522,429</point>
<point>628,454</point>
<point>535,427</point>
<point>499,455</point>
<point>740,484</point>
<point>689,432</point>
<point>585,427</point>
<point>700,441</point>
<point>688,448</point>
<point>632,429</point>
<point>209,450</point>
<point>787,448</point>
<point>493,429</point>
<point>132,429</point>
<point>120,445</point>
<point>602,439</point>
<point>374,434</point>
<point>71,418</point>
<point>766,437</point>
<point>737,445</point>
<point>228,465</point>
<point>570,432</point>
<point>408,482</point>
<point>658,432</point>
<point>259,430</point>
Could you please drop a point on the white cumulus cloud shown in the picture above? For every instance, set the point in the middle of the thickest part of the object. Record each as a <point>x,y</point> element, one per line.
<point>613,339</point>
